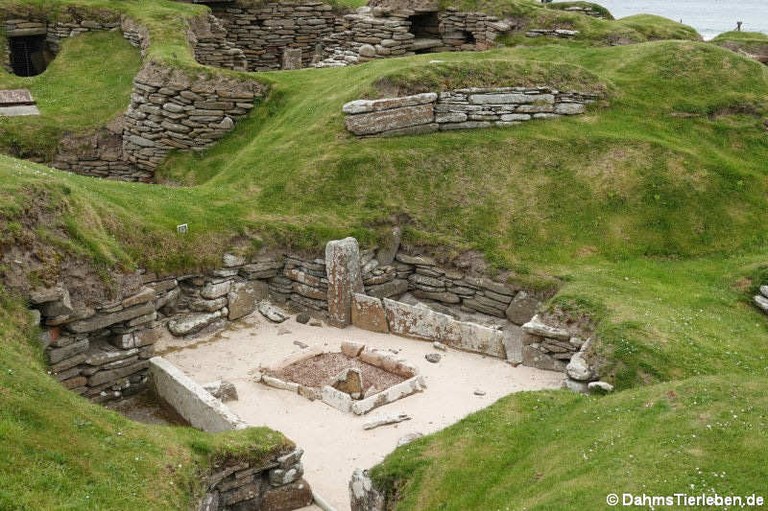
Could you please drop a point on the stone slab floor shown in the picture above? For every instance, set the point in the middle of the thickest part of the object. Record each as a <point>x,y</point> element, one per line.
<point>335,443</point>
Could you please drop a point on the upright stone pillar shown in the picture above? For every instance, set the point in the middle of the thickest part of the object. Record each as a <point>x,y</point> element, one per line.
<point>291,58</point>
<point>342,260</point>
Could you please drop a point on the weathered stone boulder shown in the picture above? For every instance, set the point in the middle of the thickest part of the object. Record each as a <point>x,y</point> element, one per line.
<point>203,305</point>
<point>522,308</point>
<point>537,327</point>
<point>389,247</point>
<point>288,497</point>
<point>389,120</point>
<point>578,368</point>
<point>272,312</point>
<point>362,495</point>
<point>342,259</point>
<point>244,297</point>
<point>349,381</point>
<point>192,323</point>
<point>533,357</point>
<point>214,290</point>
<point>222,390</point>
<point>600,386</point>
<point>762,302</point>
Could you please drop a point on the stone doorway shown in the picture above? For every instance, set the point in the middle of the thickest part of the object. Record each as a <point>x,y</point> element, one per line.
<point>29,55</point>
<point>426,27</point>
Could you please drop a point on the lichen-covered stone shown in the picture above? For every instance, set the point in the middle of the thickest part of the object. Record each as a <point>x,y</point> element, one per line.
<point>368,313</point>
<point>342,258</point>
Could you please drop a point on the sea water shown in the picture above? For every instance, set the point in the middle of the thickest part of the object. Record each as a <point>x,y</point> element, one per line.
<point>708,17</point>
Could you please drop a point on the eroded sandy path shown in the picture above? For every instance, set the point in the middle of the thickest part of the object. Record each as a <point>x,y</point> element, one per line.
<point>335,443</point>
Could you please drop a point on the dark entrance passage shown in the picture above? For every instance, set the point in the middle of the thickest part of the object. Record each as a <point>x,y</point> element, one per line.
<point>29,54</point>
<point>425,25</point>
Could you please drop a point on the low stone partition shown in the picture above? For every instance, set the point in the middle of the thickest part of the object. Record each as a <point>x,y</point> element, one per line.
<point>191,401</point>
<point>423,323</point>
<point>99,154</point>
<point>461,109</point>
<point>549,347</point>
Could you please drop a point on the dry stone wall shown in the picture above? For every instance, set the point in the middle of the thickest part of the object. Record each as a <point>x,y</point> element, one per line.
<point>461,109</point>
<point>208,38</point>
<point>98,154</point>
<point>264,31</point>
<point>274,485</point>
<point>173,109</point>
<point>371,33</point>
<point>102,352</point>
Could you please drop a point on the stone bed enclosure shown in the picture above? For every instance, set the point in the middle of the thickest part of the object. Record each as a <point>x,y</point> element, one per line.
<point>350,398</point>
<point>106,352</point>
<point>461,109</point>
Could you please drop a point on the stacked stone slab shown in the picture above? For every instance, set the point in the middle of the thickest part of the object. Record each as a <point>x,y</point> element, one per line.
<point>98,154</point>
<point>548,346</point>
<point>172,109</point>
<point>461,109</point>
<point>559,33</point>
<point>587,10</point>
<point>344,279</point>
<point>308,283</point>
<point>275,485</point>
<point>102,353</point>
<point>265,30</point>
<point>208,38</point>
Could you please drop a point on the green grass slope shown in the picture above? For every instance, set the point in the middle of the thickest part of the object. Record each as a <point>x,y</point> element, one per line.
<point>559,450</point>
<point>664,183</point>
<point>85,87</point>
<point>58,451</point>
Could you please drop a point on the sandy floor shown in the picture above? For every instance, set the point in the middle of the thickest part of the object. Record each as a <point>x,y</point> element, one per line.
<point>335,443</point>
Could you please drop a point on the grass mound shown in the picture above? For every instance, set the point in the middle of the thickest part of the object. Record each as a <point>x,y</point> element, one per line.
<point>594,8</point>
<point>87,85</point>
<point>750,43</point>
<point>558,450</point>
<point>488,73</point>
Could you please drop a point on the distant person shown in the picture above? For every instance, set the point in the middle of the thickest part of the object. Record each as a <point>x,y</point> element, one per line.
<point>738,26</point>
